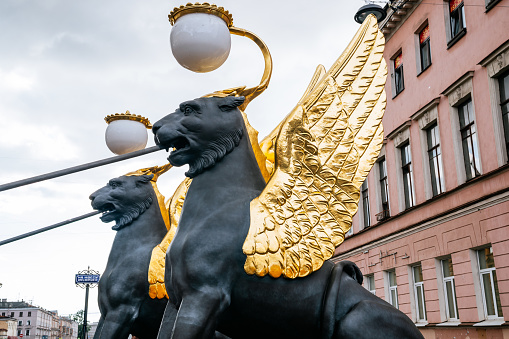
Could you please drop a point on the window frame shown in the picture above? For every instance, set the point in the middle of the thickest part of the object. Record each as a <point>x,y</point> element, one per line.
<point>434,153</point>
<point>383,181</point>
<point>493,281</point>
<point>391,288</point>
<point>407,174</point>
<point>426,118</point>
<point>421,67</point>
<point>496,64</point>
<point>368,286</point>
<point>469,139</point>
<point>449,279</point>
<point>452,38</point>
<point>366,217</point>
<point>418,289</point>
<point>504,102</point>
<point>397,73</point>
<point>458,93</point>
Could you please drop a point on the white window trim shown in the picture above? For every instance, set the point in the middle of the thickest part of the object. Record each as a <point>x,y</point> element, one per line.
<point>425,117</point>
<point>400,136</point>
<point>392,70</point>
<point>444,280</point>
<point>416,285</point>
<point>361,208</point>
<point>388,288</point>
<point>497,63</point>
<point>490,272</point>
<point>479,293</point>
<point>376,173</point>
<point>458,93</point>
<point>367,285</point>
<point>447,19</point>
<point>417,44</point>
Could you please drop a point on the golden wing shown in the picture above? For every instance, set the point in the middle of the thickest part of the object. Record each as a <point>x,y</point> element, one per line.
<point>323,152</point>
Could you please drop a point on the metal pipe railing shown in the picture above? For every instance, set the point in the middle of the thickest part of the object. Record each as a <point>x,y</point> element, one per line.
<point>47,228</point>
<point>79,168</point>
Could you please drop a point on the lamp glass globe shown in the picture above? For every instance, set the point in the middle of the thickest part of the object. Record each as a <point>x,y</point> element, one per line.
<point>124,136</point>
<point>200,42</point>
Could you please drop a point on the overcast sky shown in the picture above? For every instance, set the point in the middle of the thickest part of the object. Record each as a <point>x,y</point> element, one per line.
<point>65,65</point>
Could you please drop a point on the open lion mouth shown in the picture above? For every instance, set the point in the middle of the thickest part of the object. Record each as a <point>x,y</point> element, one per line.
<point>107,212</point>
<point>177,145</point>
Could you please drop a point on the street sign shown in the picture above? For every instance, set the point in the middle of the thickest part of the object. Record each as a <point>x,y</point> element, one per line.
<point>87,278</point>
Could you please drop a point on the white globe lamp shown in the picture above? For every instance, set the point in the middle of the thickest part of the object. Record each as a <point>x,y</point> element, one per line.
<point>200,39</point>
<point>126,132</point>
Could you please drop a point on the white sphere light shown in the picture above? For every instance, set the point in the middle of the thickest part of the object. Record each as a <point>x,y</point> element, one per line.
<point>126,132</point>
<point>200,41</point>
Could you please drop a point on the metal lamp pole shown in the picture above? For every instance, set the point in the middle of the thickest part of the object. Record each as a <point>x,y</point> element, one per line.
<point>86,279</point>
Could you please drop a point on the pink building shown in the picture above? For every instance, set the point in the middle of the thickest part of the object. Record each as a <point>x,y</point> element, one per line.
<point>432,231</point>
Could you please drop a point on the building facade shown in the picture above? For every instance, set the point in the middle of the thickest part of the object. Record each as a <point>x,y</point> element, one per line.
<point>37,323</point>
<point>8,328</point>
<point>431,234</point>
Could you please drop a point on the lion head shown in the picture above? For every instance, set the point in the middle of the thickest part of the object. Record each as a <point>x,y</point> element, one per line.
<point>201,132</point>
<point>123,199</point>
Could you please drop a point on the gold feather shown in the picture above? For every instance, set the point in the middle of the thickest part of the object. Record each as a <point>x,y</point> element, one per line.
<point>318,157</point>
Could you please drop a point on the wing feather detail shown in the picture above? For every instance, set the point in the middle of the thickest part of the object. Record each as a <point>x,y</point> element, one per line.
<point>321,153</point>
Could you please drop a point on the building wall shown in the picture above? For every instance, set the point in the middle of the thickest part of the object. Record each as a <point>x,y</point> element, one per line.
<point>40,323</point>
<point>469,214</point>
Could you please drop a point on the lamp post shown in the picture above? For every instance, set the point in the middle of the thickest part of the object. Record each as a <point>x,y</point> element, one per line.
<point>86,279</point>
<point>200,41</point>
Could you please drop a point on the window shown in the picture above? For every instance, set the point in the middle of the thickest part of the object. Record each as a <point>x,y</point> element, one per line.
<point>19,333</point>
<point>393,288</point>
<point>469,140</point>
<point>435,159</point>
<point>420,308</point>
<point>28,322</point>
<point>20,314</point>
<point>489,285</point>
<point>456,17</point>
<point>3,314</point>
<point>12,314</point>
<point>20,322</point>
<point>424,48</point>
<point>451,308</point>
<point>384,190</point>
<point>29,314</point>
<point>365,204</point>
<point>27,332</point>
<point>503,82</point>
<point>406,167</point>
<point>399,83</point>
<point>370,284</point>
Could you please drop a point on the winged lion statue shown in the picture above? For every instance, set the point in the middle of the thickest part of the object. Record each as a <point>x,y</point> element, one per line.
<point>259,221</point>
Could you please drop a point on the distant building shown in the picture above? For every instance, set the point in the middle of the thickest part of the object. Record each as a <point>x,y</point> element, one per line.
<point>432,231</point>
<point>37,323</point>
<point>8,328</point>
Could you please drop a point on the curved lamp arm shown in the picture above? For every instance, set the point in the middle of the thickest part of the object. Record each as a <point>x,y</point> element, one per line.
<point>253,92</point>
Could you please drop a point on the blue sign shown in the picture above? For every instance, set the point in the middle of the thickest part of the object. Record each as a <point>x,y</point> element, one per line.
<point>87,278</point>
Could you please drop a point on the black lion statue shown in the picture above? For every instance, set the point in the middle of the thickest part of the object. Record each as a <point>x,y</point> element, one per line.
<point>124,301</point>
<point>205,275</point>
